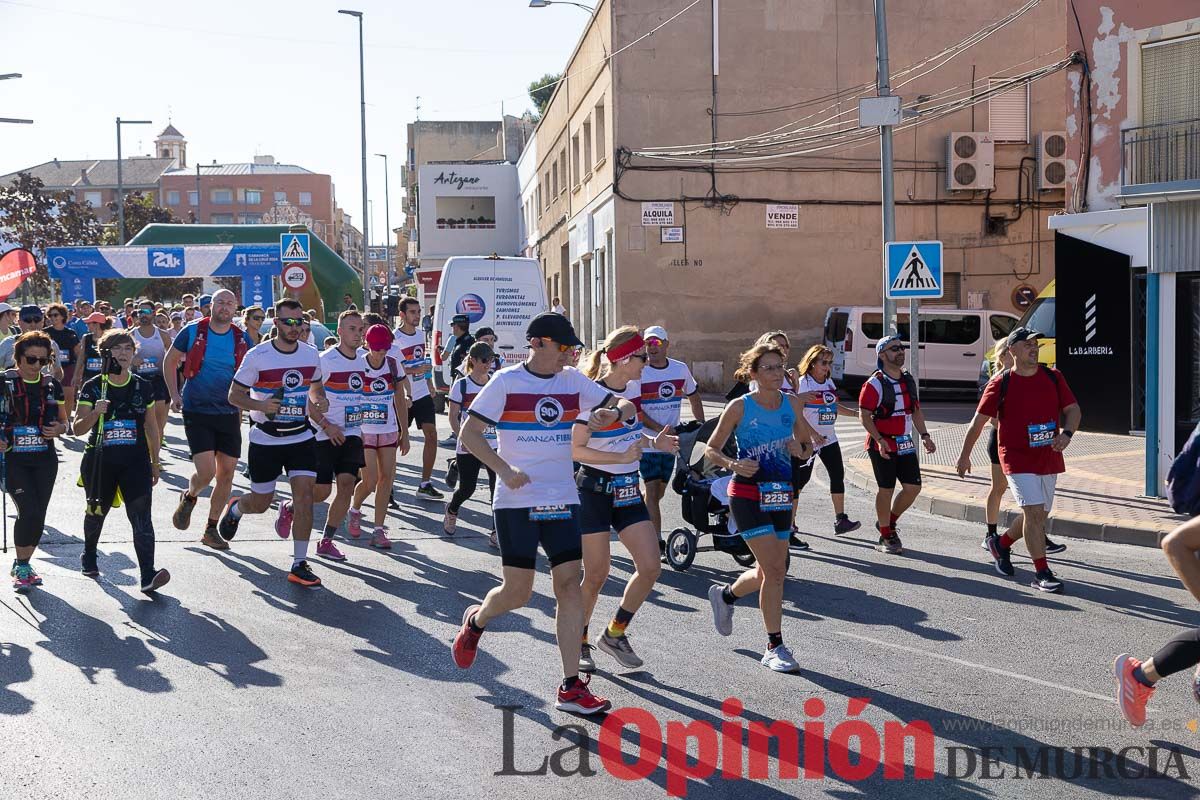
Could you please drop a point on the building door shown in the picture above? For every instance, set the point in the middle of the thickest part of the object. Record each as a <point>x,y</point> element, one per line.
<point>1137,376</point>
<point>1187,355</point>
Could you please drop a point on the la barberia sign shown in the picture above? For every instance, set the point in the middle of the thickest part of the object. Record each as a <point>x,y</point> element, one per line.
<point>459,182</point>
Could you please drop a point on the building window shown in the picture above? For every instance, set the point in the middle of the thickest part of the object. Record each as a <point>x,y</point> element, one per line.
<point>222,219</point>
<point>1008,113</point>
<point>538,195</point>
<point>554,172</point>
<point>306,198</point>
<point>587,146</point>
<point>600,141</point>
<point>466,213</point>
<point>222,197</point>
<point>1170,81</point>
<point>253,197</point>
<point>562,160</point>
<point>94,199</point>
<point>549,193</point>
<point>193,198</point>
<point>251,219</point>
<point>575,158</point>
<point>280,198</point>
<point>172,198</point>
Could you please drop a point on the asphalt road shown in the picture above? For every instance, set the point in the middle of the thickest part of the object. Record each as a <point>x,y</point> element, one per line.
<point>235,683</point>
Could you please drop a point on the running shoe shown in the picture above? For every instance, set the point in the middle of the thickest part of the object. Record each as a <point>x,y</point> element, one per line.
<point>662,550</point>
<point>212,539</point>
<point>392,501</point>
<point>1001,556</point>
<point>302,574</point>
<point>493,542</point>
<point>1132,694</point>
<point>890,545</point>
<point>228,525</point>
<point>795,541</point>
<point>354,523</point>
<point>449,441</point>
<point>619,648</point>
<point>449,522</point>
<point>22,578</point>
<point>451,473</point>
<point>87,564</point>
<point>37,579</point>
<point>466,642</point>
<point>158,580</point>
<point>845,525</point>
<point>587,662</point>
<point>327,549</point>
<point>1053,548</point>
<point>283,520</point>
<point>580,699</point>
<point>780,659</point>
<point>1044,581</point>
<point>380,539</point>
<point>182,517</point>
<point>426,491</point>
<point>722,611</point>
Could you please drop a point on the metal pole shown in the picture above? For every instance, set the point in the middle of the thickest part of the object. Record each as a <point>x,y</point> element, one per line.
<point>387,221</point>
<point>120,191</point>
<point>885,149</point>
<point>362,93</point>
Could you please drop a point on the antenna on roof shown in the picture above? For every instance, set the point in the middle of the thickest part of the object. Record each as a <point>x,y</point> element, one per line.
<point>418,108</point>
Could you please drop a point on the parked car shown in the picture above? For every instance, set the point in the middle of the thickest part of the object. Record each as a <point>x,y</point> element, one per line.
<point>953,341</point>
<point>1040,317</point>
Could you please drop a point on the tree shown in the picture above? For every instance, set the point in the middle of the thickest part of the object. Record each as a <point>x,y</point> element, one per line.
<point>140,211</point>
<point>541,90</point>
<point>36,219</point>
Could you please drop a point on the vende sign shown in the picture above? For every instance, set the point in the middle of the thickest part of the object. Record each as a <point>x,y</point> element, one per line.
<point>783,216</point>
<point>657,215</point>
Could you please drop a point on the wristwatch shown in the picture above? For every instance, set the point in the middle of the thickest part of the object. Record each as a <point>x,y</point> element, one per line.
<point>1068,434</point>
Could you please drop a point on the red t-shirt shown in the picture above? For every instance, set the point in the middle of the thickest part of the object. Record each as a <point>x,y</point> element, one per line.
<point>1032,407</point>
<point>900,422</point>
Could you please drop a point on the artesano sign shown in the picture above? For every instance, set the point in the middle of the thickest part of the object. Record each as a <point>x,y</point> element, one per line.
<point>783,216</point>
<point>658,214</point>
<point>459,182</point>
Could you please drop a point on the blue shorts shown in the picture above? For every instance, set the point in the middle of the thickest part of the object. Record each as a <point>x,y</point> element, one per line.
<point>657,467</point>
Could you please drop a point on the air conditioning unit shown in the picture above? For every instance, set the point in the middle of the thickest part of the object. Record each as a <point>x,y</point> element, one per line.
<point>1052,160</point>
<point>970,162</point>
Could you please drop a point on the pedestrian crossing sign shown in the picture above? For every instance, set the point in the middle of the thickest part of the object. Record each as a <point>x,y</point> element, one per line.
<point>294,247</point>
<point>914,270</point>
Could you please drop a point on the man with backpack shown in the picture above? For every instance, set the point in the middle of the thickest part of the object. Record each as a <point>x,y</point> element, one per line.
<point>890,411</point>
<point>1037,415</point>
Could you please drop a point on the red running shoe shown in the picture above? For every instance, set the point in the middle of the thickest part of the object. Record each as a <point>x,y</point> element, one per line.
<point>579,699</point>
<point>283,522</point>
<point>1132,694</point>
<point>466,643</point>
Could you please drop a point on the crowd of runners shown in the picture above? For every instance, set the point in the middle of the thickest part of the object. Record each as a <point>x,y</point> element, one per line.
<point>575,445</point>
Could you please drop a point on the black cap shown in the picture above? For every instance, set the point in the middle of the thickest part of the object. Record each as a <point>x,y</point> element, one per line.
<point>1021,334</point>
<point>552,326</point>
<point>30,311</point>
<point>482,332</point>
<point>460,319</point>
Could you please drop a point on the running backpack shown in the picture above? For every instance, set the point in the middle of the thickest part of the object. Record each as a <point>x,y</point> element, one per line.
<point>1183,480</point>
<point>1007,374</point>
<point>887,398</point>
<point>195,354</point>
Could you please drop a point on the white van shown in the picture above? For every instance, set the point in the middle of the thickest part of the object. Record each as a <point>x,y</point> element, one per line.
<point>503,294</point>
<point>954,341</point>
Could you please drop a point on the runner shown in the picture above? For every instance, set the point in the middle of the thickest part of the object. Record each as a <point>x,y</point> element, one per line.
<point>31,319</point>
<point>66,339</point>
<point>339,437</point>
<point>462,393</point>
<point>384,429</point>
<point>152,344</point>
<point>89,356</point>
<point>665,382</point>
<point>34,415</point>
<point>412,352</point>
<point>609,497</point>
<point>209,352</point>
<point>1037,415</point>
<point>533,407</point>
<point>1136,679</point>
<point>276,382</point>
<point>890,410</point>
<point>821,409</point>
<point>253,319</point>
<point>121,456</point>
<point>770,430</point>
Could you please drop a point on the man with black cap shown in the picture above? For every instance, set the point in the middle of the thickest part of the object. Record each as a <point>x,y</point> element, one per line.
<point>1037,416</point>
<point>533,407</point>
<point>890,411</point>
<point>463,340</point>
<point>205,302</point>
<point>31,318</point>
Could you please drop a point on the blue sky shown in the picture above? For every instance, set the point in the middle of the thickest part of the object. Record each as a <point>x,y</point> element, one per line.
<point>267,76</point>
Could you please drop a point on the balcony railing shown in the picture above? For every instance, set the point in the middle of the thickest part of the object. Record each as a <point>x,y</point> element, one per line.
<point>1165,153</point>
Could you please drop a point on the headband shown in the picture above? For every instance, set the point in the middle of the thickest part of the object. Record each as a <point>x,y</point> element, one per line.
<point>624,350</point>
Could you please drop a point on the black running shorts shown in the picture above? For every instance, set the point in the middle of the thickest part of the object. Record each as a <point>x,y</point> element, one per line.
<point>344,459</point>
<point>906,469</point>
<point>993,446</point>
<point>597,514</point>
<point>519,537</point>
<point>421,412</point>
<point>209,433</point>
<point>266,462</point>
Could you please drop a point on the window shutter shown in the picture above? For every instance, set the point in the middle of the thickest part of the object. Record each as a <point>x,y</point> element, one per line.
<point>951,290</point>
<point>1171,80</point>
<point>1008,113</point>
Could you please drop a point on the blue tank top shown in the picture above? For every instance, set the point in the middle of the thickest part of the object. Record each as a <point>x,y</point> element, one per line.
<point>763,435</point>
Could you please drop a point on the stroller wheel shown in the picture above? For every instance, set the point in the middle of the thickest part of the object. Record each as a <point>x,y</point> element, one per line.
<point>681,549</point>
<point>744,559</point>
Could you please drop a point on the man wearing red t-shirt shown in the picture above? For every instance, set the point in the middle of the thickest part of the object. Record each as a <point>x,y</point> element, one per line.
<point>1037,415</point>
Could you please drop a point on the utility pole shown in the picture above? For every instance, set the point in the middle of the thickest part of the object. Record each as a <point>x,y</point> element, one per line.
<point>362,94</point>
<point>884,84</point>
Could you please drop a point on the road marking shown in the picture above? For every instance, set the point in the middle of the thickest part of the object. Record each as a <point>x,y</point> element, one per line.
<point>984,667</point>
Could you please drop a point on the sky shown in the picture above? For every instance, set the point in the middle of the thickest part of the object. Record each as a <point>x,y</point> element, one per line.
<point>267,77</point>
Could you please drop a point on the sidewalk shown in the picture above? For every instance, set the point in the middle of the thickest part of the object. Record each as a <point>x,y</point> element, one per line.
<point>1099,496</point>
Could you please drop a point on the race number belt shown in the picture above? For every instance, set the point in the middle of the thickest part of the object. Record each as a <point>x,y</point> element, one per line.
<point>626,490</point>
<point>775,496</point>
<point>549,513</point>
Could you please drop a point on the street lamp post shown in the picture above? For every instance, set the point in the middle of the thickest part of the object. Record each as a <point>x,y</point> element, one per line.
<point>120,178</point>
<point>8,76</point>
<point>362,94</point>
<point>544,3</point>
<point>387,222</point>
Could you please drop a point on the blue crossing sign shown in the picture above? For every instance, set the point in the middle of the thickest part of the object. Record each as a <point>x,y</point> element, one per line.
<point>294,248</point>
<point>914,270</point>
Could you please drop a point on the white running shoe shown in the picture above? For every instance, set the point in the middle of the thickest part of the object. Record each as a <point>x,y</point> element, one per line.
<point>780,659</point>
<point>722,611</point>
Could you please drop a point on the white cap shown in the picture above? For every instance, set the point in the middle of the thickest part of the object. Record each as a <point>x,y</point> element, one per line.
<point>657,331</point>
<point>5,308</point>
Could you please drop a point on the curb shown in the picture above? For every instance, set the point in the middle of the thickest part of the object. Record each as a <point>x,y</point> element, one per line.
<point>1075,526</point>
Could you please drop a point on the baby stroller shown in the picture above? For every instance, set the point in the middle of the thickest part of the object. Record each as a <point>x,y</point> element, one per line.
<point>694,480</point>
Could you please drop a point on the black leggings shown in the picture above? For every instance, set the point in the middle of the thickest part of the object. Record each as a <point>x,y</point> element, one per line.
<point>1178,654</point>
<point>468,478</point>
<point>30,478</point>
<point>831,457</point>
<point>135,481</point>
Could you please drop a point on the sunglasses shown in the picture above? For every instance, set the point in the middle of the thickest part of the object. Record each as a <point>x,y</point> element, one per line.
<point>53,315</point>
<point>642,356</point>
<point>562,348</point>
<point>32,319</point>
<point>828,362</point>
<point>896,349</point>
<point>291,322</point>
<point>31,360</point>
<point>654,341</point>
<point>145,311</point>
<point>257,318</point>
<point>770,368</point>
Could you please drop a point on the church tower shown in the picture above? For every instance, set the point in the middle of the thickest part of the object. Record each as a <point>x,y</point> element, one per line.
<point>171,144</point>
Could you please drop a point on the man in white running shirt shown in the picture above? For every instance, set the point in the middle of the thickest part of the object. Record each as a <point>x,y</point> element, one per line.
<point>412,352</point>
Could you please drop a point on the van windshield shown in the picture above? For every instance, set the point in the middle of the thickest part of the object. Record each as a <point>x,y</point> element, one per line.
<point>1040,317</point>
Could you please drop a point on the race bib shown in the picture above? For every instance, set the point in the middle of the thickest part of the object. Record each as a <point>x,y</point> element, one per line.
<point>148,365</point>
<point>354,416</point>
<point>626,490</point>
<point>374,414</point>
<point>294,406</point>
<point>93,364</point>
<point>549,513</point>
<point>28,439</point>
<point>489,433</point>
<point>120,432</point>
<point>775,496</point>
<point>905,446</point>
<point>63,356</point>
<point>1042,434</point>
<point>827,414</point>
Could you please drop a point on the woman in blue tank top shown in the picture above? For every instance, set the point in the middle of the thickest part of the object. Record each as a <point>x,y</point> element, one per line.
<point>770,430</point>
